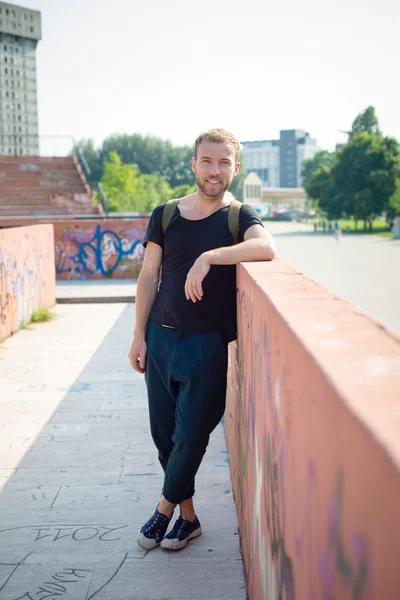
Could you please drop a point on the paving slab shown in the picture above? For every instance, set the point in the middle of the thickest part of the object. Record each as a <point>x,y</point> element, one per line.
<point>79,473</point>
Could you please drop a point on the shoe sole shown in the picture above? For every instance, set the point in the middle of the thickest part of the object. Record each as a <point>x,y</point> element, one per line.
<point>170,545</point>
<point>145,542</point>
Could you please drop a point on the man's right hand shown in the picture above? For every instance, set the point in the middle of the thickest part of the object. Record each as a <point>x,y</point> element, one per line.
<point>137,355</point>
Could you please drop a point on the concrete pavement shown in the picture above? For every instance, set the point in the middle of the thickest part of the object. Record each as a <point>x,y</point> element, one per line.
<point>79,473</point>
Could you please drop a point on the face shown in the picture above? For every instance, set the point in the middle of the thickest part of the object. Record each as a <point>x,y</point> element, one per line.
<point>214,167</point>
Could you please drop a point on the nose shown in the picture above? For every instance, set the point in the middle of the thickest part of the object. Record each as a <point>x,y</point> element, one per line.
<point>215,168</point>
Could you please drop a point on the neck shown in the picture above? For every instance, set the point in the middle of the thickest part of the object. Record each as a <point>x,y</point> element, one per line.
<point>211,202</point>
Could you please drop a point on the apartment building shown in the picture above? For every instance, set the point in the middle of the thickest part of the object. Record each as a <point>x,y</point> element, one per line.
<point>20,31</point>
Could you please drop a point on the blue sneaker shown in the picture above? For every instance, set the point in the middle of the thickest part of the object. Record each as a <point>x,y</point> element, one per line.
<point>153,531</point>
<point>181,533</point>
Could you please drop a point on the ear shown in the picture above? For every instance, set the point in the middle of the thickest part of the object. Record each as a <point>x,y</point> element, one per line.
<point>193,164</point>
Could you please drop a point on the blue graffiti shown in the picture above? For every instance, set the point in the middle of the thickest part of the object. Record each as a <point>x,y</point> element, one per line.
<point>89,257</point>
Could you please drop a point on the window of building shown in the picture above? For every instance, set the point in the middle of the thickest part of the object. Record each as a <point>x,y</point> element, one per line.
<point>13,13</point>
<point>31,29</point>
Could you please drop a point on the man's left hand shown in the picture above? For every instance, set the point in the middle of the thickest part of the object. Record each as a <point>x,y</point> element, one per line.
<point>194,279</point>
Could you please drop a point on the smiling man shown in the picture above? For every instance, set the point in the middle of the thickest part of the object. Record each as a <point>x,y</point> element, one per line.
<point>184,322</point>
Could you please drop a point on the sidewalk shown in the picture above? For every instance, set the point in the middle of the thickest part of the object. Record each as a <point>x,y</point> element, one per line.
<point>96,290</point>
<point>79,473</point>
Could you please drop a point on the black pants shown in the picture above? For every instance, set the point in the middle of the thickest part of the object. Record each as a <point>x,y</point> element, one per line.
<point>186,386</point>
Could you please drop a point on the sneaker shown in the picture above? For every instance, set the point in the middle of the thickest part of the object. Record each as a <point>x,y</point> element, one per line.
<point>181,533</point>
<point>153,531</point>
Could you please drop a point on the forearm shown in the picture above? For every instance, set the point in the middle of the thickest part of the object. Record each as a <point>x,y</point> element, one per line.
<point>145,295</point>
<point>255,249</point>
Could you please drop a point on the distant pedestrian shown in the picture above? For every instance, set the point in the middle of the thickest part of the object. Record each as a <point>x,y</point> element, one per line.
<point>337,231</point>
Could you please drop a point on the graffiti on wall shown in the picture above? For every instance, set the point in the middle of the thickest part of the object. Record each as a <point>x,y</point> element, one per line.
<point>294,545</point>
<point>111,249</point>
<point>27,279</point>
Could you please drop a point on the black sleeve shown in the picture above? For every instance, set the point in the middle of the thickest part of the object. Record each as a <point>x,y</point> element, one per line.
<point>154,230</point>
<point>248,216</point>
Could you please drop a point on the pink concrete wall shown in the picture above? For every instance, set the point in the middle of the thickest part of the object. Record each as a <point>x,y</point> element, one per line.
<point>313,431</point>
<point>95,249</point>
<point>27,276</point>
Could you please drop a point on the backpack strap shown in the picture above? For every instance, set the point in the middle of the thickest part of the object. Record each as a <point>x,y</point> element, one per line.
<point>233,219</point>
<point>233,216</point>
<point>168,212</point>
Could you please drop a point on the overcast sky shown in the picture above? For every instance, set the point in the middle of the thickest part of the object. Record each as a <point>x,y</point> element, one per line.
<point>175,68</point>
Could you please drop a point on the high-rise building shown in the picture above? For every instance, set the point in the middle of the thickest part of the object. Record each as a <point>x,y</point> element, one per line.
<point>20,31</point>
<point>278,162</point>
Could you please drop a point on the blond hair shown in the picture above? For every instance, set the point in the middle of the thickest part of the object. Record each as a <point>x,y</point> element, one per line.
<point>218,136</point>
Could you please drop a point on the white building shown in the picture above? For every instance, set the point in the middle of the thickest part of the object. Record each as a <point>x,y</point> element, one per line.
<point>278,162</point>
<point>263,158</point>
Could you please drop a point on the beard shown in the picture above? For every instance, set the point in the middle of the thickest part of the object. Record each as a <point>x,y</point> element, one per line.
<point>213,191</point>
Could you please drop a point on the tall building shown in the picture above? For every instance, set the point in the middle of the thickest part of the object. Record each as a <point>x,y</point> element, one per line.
<point>20,31</point>
<point>278,162</point>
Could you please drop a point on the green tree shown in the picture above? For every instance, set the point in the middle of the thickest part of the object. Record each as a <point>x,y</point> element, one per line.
<point>393,206</point>
<point>151,155</point>
<point>366,122</point>
<point>124,188</point>
<point>365,173</point>
<point>323,158</point>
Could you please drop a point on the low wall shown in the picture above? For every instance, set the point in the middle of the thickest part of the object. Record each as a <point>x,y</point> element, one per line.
<point>312,426</point>
<point>27,277</point>
<point>99,248</point>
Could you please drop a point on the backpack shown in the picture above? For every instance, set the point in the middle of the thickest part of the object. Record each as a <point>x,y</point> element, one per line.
<point>233,216</point>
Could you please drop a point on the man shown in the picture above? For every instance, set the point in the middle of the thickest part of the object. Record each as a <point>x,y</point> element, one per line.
<point>184,325</point>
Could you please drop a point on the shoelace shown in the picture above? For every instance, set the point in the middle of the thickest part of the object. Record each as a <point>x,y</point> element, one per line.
<point>178,528</point>
<point>157,520</point>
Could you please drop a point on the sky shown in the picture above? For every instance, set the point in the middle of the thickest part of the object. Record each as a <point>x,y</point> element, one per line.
<point>175,68</point>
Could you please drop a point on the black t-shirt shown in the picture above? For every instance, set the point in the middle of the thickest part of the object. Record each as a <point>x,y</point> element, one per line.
<point>182,244</point>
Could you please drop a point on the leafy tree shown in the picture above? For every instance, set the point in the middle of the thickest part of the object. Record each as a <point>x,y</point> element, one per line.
<point>365,174</point>
<point>366,122</point>
<point>124,188</point>
<point>393,206</point>
<point>323,158</point>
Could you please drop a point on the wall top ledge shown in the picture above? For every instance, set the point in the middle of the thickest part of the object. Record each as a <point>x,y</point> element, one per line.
<point>360,356</point>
